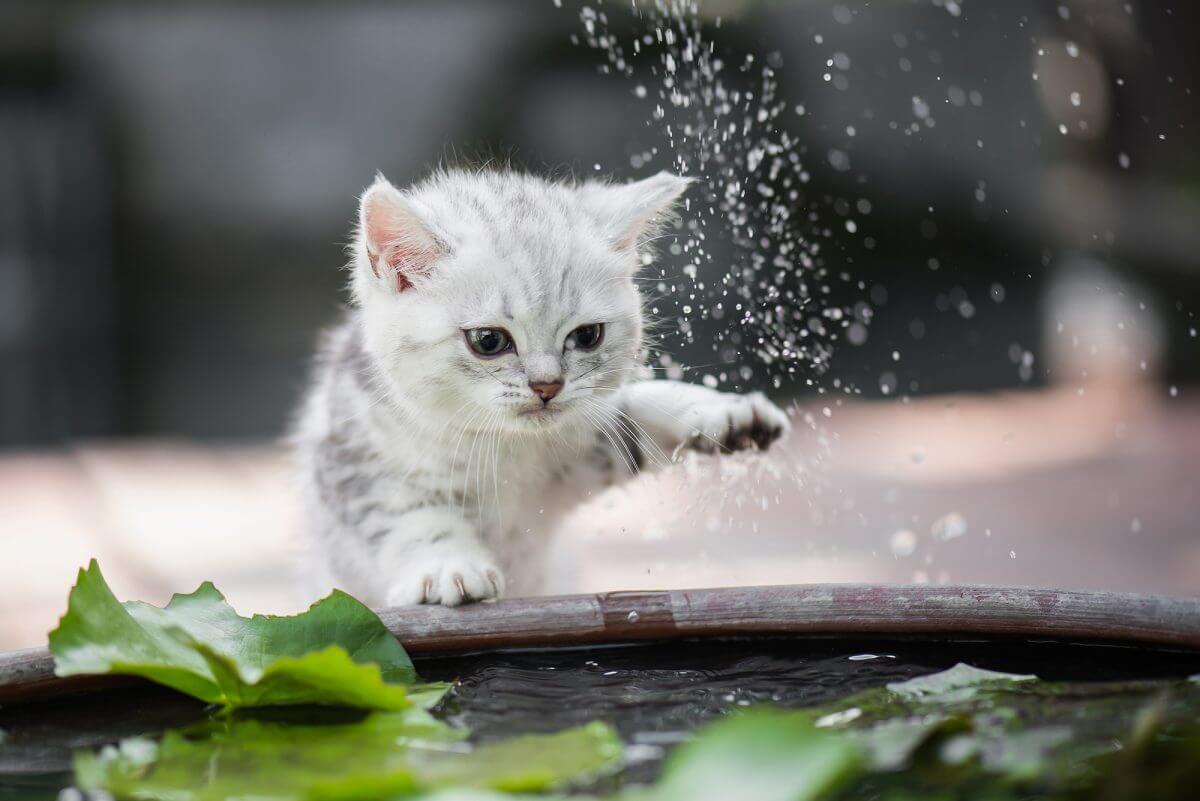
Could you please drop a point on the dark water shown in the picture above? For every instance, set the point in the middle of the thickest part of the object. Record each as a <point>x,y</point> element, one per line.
<point>655,695</point>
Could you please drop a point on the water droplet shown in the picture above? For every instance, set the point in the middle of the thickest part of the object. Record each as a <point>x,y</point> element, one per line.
<point>839,160</point>
<point>838,718</point>
<point>633,617</point>
<point>949,527</point>
<point>903,543</point>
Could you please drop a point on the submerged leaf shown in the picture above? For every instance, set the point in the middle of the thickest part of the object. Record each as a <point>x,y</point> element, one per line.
<point>475,794</point>
<point>944,728</point>
<point>531,762</point>
<point>1156,769</point>
<point>890,744</point>
<point>338,652</point>
<point>956,684</point>
<point>762,755</point>
<point>384,754</point>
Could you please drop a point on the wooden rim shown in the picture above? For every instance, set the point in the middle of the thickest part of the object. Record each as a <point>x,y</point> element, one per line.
<point>830,610</point>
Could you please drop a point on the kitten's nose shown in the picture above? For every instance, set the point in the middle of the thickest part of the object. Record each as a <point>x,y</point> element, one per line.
<point>546,391</point>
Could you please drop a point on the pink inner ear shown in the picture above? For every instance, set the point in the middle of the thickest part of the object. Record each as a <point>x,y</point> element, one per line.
<point>403,260</point>
<point>398,244</point>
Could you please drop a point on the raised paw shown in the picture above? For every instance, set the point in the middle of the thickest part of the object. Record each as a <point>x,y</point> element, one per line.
<point>736,423</point>
<point>449,579</point>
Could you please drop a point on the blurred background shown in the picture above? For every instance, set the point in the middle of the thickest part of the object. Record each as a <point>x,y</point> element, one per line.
<point>1009,191</point>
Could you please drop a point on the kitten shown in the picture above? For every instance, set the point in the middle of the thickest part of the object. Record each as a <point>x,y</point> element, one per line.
<point>489,377</point>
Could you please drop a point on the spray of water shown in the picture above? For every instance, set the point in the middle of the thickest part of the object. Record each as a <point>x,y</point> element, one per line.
<point>754,277</point>
<point>756,268</point>
<point>751,239</point>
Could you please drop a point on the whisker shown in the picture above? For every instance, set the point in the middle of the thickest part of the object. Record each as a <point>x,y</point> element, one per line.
<point>496,478</point>
<point>467,469</point>
<point>640,437</point>
<point>435,441</point>
<point>597,367</point>
<point>596,424</point>
<point>693,429</point>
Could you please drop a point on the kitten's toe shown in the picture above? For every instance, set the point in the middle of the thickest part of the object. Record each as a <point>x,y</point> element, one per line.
<point>767,422</point>
<point>410,591</point>
<point>466,580</point>
<point>754,423</point>
<point>734,423</point>
<point>449,576</point>
<point>736,437</point>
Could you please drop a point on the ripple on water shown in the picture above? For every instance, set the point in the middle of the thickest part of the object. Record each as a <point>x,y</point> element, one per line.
<point>657,694</point>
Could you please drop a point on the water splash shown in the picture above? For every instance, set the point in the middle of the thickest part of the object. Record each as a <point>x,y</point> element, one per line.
<point>751,240</point>
<point>748,270</point>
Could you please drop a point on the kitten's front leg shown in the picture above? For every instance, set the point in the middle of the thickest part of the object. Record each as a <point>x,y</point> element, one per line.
<point>434,556</point>
<point>675,414</point>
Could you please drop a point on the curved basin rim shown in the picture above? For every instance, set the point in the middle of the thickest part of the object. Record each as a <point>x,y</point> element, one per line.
<point>846,610</point>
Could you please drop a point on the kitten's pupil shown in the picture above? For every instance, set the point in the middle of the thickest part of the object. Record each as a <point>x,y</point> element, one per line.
<point>488,341</point>
<point>586,337</point>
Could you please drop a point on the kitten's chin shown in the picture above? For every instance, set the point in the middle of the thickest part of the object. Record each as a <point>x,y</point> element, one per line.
<point>541,414</point>
<point>540,418</point>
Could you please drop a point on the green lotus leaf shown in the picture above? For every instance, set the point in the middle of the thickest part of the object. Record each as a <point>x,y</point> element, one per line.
<point>762,754</point>
<point>381,755</point>
<point>336,653</point>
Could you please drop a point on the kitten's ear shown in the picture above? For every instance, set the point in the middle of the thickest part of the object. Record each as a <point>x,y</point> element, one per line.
<point>399,245</point>
<point>634,211</point>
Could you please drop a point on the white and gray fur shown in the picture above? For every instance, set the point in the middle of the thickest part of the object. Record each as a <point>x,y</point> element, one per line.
<point>432,475</point>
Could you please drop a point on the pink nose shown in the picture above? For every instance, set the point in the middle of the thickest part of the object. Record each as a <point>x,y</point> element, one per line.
<point>546,391</point>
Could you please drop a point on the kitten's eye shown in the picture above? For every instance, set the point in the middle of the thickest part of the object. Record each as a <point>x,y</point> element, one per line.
<point>586,337</point>
<point>488,341</point>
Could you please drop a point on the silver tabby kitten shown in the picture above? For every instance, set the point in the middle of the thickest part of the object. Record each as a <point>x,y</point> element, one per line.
<point>488,379</point>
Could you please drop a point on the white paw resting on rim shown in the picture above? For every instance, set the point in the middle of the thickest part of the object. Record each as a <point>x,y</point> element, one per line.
<point>734,423</point>
<point>447,579</point>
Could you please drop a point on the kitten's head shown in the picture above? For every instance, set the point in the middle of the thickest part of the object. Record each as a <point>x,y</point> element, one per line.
<point>495,300</point>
